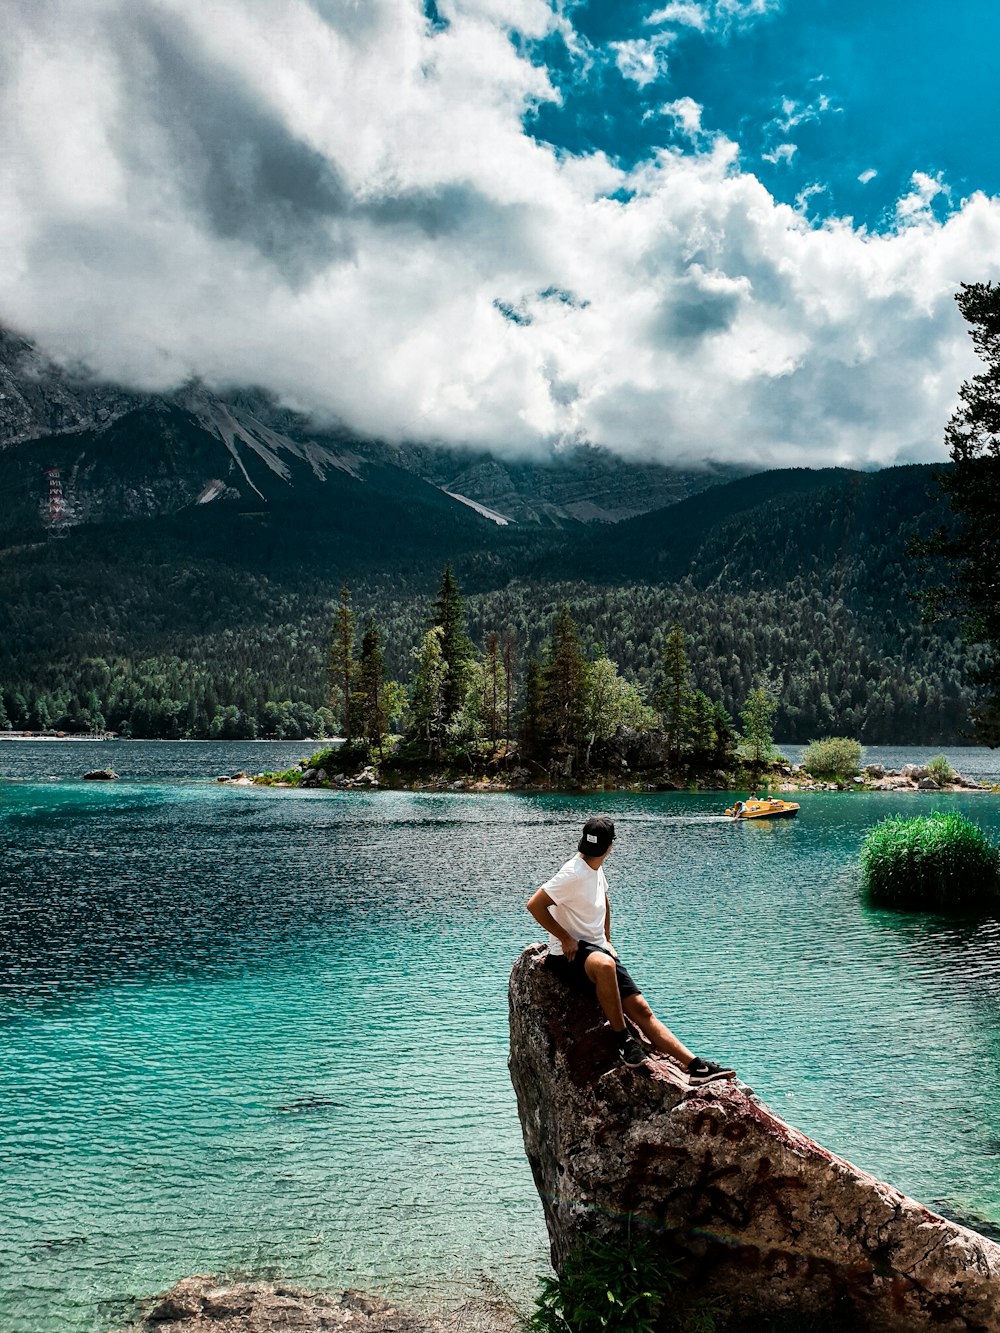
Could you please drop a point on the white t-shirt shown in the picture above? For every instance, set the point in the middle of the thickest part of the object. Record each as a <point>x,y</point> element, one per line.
<point>580,900</point>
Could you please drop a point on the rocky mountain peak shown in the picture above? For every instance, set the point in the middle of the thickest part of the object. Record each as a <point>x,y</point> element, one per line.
<point>39,397</point>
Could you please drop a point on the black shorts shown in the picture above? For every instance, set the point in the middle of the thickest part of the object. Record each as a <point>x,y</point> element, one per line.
<point>573,973</point>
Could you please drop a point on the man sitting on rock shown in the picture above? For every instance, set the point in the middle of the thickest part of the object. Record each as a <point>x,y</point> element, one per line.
<point>573,907</point>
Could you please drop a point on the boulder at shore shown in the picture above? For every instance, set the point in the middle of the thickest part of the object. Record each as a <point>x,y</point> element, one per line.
<point>763,1217</point>
<point>208,1305</point>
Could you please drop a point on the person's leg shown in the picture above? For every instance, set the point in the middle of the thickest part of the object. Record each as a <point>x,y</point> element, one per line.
<point>636,1008</point>
<point>601,969</point>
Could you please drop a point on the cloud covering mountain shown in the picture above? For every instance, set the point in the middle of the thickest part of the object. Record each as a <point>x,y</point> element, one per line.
<point>352,204</point>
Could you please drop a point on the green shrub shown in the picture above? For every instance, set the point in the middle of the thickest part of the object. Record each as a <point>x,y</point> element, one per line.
<point>941,771</point>
<point>833,756</point>
<point>620,1286</point>
<point>290,776</point>
<point>940,861</point>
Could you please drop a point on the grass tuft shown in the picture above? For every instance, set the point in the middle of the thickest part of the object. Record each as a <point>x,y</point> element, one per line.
<point>939,861</point>
<point>626,1285</point>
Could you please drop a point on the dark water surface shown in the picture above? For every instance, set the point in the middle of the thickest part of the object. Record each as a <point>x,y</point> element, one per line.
<point>265,1031</point>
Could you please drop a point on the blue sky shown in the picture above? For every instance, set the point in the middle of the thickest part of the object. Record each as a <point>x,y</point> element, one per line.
<point>878,89</point>
<point>680,229</point>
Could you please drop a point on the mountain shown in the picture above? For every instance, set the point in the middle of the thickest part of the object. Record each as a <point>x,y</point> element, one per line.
<point>172,564</point>
<point>41,401</point>
<point>822,525</point>
<point>581,483</point>
<point>39,397</point>
<point>172,610</point>
<point>214,485</point>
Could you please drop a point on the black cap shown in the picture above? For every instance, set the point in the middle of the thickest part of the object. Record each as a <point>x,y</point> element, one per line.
<point>598,835</point>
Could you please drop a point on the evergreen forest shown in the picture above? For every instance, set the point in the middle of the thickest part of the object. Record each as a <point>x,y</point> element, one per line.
<point>217,621</point>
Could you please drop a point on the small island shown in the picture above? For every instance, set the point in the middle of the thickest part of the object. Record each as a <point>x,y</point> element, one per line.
<point>338,769</point>
<point>466,722</point>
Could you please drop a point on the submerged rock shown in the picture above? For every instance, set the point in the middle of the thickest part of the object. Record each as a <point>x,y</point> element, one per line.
<point>206,1305</point>
<point>762,1216</point>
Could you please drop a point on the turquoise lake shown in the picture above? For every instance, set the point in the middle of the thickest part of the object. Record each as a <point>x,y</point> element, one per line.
<point>265,1032</point>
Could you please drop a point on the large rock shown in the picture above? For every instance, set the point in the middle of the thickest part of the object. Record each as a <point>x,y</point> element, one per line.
<point>763,1217</point>
<point>632,749</point>
<point>206,1305</point>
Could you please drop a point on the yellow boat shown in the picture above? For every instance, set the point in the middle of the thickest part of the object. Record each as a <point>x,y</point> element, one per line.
<point>770,808</point>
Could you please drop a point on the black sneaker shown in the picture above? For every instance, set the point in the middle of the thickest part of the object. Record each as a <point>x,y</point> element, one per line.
<point>630,1051</point>
<point>706,1071</point>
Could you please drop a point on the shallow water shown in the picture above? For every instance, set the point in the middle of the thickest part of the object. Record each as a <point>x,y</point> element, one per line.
<point>265,1031</point>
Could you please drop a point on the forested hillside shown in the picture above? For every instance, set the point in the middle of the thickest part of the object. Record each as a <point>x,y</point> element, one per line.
<point>215,619</point>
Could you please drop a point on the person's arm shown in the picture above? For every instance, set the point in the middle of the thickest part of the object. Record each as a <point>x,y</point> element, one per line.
<point>607,924</point>
<point>538,905</point>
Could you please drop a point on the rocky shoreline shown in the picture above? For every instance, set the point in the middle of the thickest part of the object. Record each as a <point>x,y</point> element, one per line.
<point>783,778</point>
<point>873,777</point>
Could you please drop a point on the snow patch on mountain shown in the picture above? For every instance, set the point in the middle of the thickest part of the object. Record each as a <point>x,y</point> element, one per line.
<point>500,519</point>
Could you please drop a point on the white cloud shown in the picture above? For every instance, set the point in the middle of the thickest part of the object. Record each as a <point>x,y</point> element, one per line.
<point>686,114</point>
<point>687,15</point>
<point>868,175</point>
<point>782,152</point>
<point>916,207</point>
<point>713,15</point>
<point>778,148</point>
<point>643,60</point>
<point>795,113</point>
<point>805,198</point>
<point>344,206</point>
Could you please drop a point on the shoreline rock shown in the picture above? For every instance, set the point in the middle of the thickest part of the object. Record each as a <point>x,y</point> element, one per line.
<point>206,1304</point>
<point>763,1217</point>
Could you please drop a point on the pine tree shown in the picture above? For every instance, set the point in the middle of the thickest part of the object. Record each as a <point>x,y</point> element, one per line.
<point>493,686</point>
<point>456,648</point>
<point>531,732</point>
<point>758,745</point>
<point>428,725</point>
<point>372,719</point>
<point>564,688</point>
<point>701,733</point>
<point>509,665</point>
<point>465,731</point>
<point>674,699</point>
<point>972,591</point>
<point>726,737</point>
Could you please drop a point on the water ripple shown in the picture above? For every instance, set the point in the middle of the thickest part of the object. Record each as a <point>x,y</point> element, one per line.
<point>266,1031</point>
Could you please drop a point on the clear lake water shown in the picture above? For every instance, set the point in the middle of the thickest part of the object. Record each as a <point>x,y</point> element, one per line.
<point>258,1031</point>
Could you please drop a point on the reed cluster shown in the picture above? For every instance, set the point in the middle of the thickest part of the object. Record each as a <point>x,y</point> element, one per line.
<point>939,861</point>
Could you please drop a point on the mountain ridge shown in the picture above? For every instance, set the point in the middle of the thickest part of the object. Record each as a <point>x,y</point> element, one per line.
<point>178,556</point>
<point>40,399</point>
